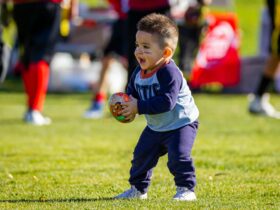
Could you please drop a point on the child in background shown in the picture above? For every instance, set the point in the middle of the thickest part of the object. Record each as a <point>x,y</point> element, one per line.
<point>116,49</point>
<point>159,91</point>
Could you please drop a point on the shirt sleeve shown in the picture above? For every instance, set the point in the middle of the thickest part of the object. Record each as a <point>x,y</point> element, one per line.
<point>170,81</point>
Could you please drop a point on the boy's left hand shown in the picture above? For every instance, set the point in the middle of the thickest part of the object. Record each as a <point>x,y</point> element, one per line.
<point>130,108</point>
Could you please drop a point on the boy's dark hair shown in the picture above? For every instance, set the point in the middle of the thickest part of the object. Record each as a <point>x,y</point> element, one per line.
<point>163,27</point>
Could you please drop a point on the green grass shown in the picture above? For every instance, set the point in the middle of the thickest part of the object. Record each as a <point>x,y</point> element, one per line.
<point>80,164</point>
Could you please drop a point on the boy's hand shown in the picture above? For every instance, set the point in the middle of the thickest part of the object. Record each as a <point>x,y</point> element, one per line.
<point>130,109</point>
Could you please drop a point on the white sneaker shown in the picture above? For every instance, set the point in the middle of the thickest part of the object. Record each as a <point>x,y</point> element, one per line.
<point>184,194</point>
<point>131,194</point>
<point>261,105</point>
<point>34,117</point>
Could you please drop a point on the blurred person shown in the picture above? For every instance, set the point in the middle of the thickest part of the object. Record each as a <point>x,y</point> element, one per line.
<point>158,90</point>
<point>115,49</point>
<point>259,101</point>
<point>38,24</point>
<point>137,10</point>
<point>191,29</point>
<point>7,32</point>
<point>265,31</point>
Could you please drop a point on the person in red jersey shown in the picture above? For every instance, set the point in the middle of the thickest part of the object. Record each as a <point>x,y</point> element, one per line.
<point>38,23</point>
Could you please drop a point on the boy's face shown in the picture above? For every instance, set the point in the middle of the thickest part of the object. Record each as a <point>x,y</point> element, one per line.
<point>148,52</point>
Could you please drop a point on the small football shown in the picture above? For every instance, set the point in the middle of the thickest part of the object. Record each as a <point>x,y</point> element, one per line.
<point>115,104</point>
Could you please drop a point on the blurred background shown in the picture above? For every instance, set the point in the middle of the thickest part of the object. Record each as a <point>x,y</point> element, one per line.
<point>76,63</point>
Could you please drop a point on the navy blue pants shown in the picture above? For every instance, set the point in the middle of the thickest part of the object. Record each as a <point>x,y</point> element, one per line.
<point>152,145</point>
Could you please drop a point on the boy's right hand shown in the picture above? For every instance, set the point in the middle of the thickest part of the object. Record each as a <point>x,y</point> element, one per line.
<point>130,109</point>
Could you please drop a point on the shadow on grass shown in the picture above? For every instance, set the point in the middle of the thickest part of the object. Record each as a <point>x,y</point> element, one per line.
<point>70,200</point>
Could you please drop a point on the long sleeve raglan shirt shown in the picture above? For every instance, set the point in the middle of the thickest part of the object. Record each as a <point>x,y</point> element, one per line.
<point>163,97</point>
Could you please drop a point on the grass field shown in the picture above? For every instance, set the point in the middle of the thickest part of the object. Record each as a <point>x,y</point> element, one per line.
<point>81,164</point>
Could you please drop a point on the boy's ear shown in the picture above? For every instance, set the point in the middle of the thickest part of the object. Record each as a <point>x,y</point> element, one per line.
<point>167,52</point>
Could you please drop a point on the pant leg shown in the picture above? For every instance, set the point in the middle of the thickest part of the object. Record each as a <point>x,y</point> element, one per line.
<point>145,158</point>
<point>180,163</point>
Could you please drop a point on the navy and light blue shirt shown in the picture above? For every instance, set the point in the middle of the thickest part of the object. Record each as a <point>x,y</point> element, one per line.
<point>163,97</point>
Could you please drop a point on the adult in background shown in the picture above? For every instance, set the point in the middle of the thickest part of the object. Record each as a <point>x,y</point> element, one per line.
<point>38,24</point>
<point>137,10</point>
<point>259,102</point>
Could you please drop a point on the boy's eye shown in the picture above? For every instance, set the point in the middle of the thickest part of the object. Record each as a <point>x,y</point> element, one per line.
<point>146,47</point>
